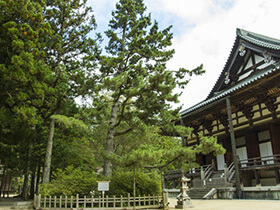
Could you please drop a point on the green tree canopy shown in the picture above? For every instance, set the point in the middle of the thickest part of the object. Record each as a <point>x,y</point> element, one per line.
<point>134,75</point>
<point>71,56</point>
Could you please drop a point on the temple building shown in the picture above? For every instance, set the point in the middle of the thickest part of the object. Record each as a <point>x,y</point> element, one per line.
<point>242,110</point>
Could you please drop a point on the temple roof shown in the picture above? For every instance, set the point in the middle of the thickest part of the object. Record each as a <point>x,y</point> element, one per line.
<point>259,44</point>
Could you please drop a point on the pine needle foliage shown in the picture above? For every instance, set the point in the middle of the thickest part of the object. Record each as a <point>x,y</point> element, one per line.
<point>134,73</point>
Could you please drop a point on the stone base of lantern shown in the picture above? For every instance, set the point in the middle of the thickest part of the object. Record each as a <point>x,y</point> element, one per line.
<point>184,204</point>
<point>184,201</point>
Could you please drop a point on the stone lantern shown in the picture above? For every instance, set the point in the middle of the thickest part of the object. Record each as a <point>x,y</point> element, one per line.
<point>184,201</point>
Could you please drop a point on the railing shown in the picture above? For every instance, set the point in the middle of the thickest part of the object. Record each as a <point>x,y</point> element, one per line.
<point>229,172</point>
<point>260,162</point>
<point>92,202</point>
<point>206,171</point>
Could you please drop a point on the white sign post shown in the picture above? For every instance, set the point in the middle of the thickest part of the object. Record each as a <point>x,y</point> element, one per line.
<point>103,186</point>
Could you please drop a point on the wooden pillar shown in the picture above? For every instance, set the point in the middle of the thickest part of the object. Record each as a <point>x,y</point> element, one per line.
<point>174,183</point>
<point>200,159</point>
<point>233,147</point>
<point>228,155</point>
<point>252,145</point>
<point>257,177</point>
<point>277,176</point>
<point>209,158</point>
<point>164,183</point>
<point>275,138</point>
<point>184,144</point>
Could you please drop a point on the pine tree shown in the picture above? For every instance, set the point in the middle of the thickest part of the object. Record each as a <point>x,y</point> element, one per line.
<point>71,56</point>
<point>24,79</point>
<point>134,74</point>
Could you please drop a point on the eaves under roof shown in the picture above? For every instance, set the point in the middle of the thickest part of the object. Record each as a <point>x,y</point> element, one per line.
<point>249,80</point>
<point>242,36</point>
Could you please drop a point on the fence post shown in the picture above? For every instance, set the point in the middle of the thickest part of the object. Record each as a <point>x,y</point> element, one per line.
<point>92,201</point>
<point>60,201</point>
<point>114,201</point>
<point>45,202</point>
<point>50,201</point>
<point>202,174</point>
<point>66,201</point>
<point>144,200</point>
<point>121,201</point>
<point>39,202</point>
<point>139,200</point>
<point>107,201</point>
<point>85,201</point>
<point>54,202</point>
<point>35,201</point>
<point>149,201</point>
<point>128,200</point>
<point>71,202</point>
<point>77,201</point>
<point>99,201</point>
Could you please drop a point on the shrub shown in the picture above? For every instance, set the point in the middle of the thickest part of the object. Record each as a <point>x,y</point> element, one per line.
<point>70,181</point>
<point>146,183</point>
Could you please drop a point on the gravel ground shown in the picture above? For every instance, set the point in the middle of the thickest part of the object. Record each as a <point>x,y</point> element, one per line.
<point>230,204</point>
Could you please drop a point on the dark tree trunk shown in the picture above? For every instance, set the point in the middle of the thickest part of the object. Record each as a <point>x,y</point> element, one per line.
<point>9,183</point>
<point>48,158</point>
<point>110,138</point>
<point>32,183</point>
<point>38,179</point>
<point>2,183</point>
<point>25,189</point>
<point>24,194</point>
<point>134,187</point>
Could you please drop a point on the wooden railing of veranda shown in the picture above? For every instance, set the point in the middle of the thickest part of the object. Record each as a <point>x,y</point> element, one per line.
<point>76,202</point>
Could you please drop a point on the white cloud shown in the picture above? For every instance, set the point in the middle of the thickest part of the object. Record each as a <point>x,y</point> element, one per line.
<point>211,39</point>
<point>204,32</point>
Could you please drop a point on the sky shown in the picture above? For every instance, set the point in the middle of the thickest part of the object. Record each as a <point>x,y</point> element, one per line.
<point>204,32</point>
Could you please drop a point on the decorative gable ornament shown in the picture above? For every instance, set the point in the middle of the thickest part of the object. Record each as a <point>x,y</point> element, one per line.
<point>242,50</point>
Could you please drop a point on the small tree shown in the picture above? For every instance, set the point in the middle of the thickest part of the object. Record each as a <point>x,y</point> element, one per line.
<point>159,158</point>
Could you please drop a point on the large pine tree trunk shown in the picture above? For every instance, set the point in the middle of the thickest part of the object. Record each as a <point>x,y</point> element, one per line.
<point>24,194</point>
<point>134,187</point>
<point>38,178</point>
<point>2,187</point>
<point>48,158</point>
<point>32,183</point>
<point>110,138</point>
<point>25,189</point>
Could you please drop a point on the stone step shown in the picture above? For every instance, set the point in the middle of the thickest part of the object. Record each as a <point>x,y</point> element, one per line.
<point>17,205</point>
<point>21,207</point>
<point>217,174</point>
<point>198,193</point>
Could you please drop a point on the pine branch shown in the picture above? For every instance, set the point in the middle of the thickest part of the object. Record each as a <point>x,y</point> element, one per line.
<point>119,133</point>
<point>164,165</point>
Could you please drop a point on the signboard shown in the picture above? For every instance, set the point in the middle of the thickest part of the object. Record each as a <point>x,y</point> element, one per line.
<point>103,185</point>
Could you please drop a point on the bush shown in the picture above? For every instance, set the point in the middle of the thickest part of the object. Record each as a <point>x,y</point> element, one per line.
<point>146,183</point>
<point>70,181</point>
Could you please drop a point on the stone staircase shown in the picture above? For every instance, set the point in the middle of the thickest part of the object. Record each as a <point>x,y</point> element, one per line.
<point>198,193</point>
<point>217,174</point>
